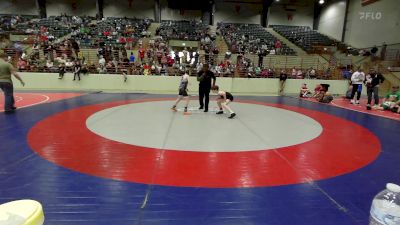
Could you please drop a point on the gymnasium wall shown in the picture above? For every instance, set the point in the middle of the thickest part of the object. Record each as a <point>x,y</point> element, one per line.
<point>164,84</point>
<point>302,16</point>
<point>71,7</point>
<point>21,7</point>
<point>363,32</point>
<point>332,19</point>
<point>237,12</point>
<point>137,8</point>
<point>225,11</point>
<point>176,14</point>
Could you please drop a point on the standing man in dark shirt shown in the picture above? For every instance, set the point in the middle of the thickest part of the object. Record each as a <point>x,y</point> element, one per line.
<point>282,81</point>
<point>204,77</point>
<point>372,81</point>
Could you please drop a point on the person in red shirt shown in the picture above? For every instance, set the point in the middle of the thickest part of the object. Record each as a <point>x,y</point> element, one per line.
<point>130,41</point>
<point>141,54</point>
<point>122,40</point>
<point>170,61</point>
<point>146,69</point>
<point>278,46</point>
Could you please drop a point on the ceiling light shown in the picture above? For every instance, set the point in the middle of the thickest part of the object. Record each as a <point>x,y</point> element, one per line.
<point>321,2</point>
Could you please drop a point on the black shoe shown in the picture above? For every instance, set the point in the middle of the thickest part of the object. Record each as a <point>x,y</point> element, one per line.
<point>220,112</point>
<point>9,111</point>
<point>13,108</point>
<point>206,110</point>
<point>369,107</point>
<point>232,115</point>
<point>201,107</point>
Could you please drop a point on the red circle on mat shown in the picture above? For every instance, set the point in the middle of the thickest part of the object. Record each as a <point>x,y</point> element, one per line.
<point>342,147</point>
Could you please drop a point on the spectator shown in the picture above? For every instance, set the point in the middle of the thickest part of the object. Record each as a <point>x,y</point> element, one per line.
<point>75,46</point>
<point>299,74</point>
<point>77,70</point>
<point>347,73</point>
<point>357,80</point>
<point>6,84</point>
<point>348,92</point>
<point>102,61</point>
<point>228,54</point>
<point>85,69</point>
<point>391,101</point>
<point>282,81</point>
<point>146,69</point>
<point>304,91</point>
<point>261,55</point>
<point>278,46</point>
<point>22,64</point>
<point>323,95</point>
<point>372,81</point>
<point>294,73</point>
<point>49,65</point>
<point>141,54</point>
<point>374,50</point>
<point>312,74</point>
<point>61,70</point>
<point>24,56</point>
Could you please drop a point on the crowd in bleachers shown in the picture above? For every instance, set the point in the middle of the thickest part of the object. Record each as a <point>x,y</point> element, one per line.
<point>11,23</point>
<point>252,38</point>
<point>114,32</point>
<point>117,38</point>
<point>182,30</point>
<point>303,36</point>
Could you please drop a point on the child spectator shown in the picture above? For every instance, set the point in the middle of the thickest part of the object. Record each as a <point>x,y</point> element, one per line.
<point>304,91</point>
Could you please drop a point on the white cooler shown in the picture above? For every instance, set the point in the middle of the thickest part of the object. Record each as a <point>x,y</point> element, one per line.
<point>21,212</point>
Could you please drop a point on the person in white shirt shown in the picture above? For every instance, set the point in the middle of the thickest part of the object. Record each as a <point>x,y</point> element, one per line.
<point>49,64</point>
<point>357,80</point>
<point>102,61</point>
<point>312,73</point>
<point>294,72</point>
<point>24,56</point>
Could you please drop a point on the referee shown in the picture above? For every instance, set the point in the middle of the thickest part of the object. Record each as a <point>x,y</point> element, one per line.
<point>204,77</point>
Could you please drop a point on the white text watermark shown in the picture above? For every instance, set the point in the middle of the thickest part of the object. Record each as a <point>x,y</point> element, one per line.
<point>370,15</point>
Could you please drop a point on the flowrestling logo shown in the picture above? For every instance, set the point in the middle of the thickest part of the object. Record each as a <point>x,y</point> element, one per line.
<point>370,15</point>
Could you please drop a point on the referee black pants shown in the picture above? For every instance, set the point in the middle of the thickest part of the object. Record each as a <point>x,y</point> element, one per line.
<point>204,92</point>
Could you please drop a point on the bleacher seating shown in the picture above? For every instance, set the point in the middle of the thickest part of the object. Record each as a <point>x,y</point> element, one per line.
<point>304,36</point>
<point>182,30</point>
<point>250,38</point>
<point>14,24</point>
<point>110,31</point>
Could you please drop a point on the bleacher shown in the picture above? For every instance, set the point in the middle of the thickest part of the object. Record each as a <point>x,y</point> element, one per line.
<point>15,24</point>
<point>112,32</point>
<point>250,38</point>
<point>182,30</point>
<point>304,36</point>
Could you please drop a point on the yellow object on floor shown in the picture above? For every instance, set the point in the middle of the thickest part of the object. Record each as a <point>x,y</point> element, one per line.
<point>21,212</point>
